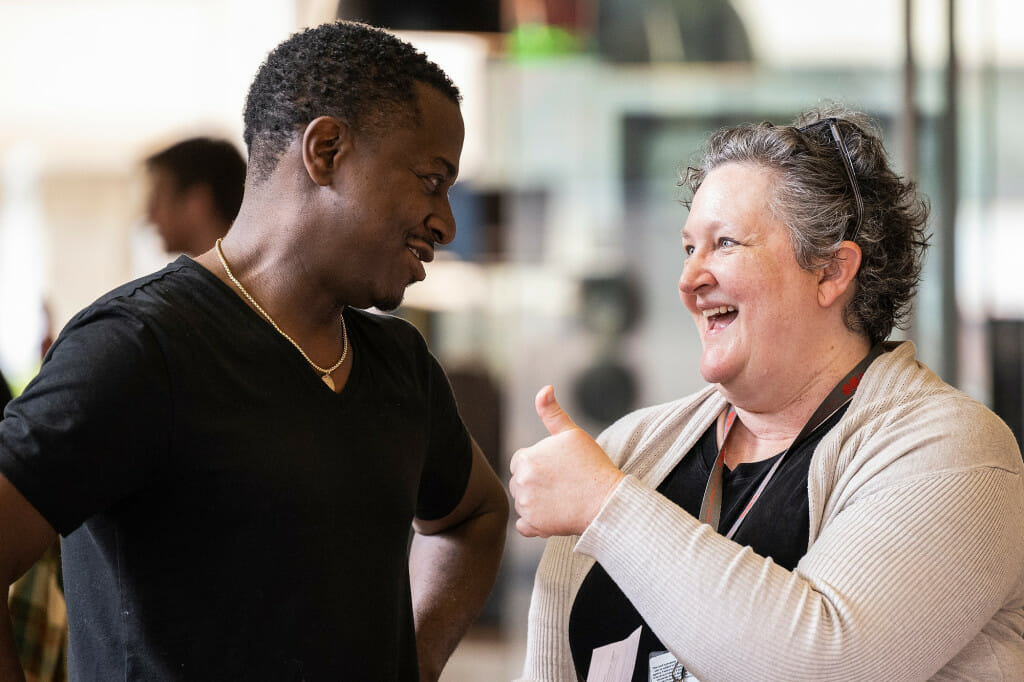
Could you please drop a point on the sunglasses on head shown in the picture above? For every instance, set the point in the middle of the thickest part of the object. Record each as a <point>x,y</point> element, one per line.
<point>844,154</point>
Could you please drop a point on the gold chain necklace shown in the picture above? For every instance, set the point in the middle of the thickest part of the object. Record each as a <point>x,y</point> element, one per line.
<point>325,372</point>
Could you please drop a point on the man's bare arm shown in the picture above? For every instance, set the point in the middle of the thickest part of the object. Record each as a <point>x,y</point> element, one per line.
<point>24,536</point>
<point>453,564</point>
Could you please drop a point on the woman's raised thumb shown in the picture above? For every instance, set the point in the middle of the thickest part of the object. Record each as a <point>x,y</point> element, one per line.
<point>555,419</point>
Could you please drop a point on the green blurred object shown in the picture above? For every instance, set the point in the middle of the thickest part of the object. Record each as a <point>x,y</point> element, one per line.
<point>540,41</point>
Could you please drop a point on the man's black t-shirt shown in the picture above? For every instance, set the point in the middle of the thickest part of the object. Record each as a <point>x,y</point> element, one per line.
<point>226,515</point>
<point>776,527</point>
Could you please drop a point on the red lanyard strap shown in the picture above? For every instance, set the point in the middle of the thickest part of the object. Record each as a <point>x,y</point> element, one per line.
<point>711,506</point>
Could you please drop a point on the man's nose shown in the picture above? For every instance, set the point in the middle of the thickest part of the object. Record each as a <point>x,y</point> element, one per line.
<point>441,222</point>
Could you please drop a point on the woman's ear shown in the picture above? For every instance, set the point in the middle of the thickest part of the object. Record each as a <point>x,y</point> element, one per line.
<point>324,142</point>
<point>838,275</point>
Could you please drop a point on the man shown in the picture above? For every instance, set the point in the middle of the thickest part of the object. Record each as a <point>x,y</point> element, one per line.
<point>233,453</point>
<point>195,189</point>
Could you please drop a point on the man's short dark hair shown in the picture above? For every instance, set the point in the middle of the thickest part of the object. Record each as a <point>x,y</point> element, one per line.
<point>355,72</point>
<point>206,161</point>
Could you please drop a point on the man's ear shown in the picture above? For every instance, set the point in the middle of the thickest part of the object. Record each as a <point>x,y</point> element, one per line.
<point>324,142</point>
<point>838,275</point>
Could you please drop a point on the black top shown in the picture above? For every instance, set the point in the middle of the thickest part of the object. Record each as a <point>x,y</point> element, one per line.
<point>5,394</point>
<point>775,527</point>
<point>226,515</point>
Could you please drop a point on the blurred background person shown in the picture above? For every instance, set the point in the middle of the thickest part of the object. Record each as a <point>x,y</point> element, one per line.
<point>195,189</point>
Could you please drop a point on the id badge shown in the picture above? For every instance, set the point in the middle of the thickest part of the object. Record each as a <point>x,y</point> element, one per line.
<point>662,666</point>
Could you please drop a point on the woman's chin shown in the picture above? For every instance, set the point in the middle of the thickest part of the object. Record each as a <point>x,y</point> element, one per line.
<point>714,368</point>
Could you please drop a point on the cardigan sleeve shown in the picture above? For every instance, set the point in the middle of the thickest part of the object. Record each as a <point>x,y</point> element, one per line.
<point>548,657</point>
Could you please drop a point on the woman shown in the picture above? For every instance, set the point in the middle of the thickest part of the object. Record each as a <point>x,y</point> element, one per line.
<point>827,508</point>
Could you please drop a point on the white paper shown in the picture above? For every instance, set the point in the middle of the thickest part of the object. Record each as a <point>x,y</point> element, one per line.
<point>660,668</point>
<point>615,662</point>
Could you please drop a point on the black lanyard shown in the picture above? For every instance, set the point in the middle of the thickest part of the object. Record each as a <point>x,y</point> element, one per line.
<point>711,506</point>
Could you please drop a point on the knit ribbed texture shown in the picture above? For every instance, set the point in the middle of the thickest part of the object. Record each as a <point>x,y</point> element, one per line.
<point>914,569</point>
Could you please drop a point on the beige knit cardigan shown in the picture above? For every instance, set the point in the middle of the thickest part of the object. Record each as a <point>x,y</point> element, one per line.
<point>915,560</point>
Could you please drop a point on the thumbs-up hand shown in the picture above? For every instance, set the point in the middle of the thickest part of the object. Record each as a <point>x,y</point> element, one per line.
<point>560,483</point>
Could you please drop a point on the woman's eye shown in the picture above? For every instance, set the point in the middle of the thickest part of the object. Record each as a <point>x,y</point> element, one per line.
<point>726,242</point>
<point>688,250</point>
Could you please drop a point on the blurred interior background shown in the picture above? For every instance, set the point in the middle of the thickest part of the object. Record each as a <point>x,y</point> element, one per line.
<point>580,115</point>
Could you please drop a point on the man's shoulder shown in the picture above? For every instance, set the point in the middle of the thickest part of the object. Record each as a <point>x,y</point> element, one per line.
<point>176,302</point>
<point>182,273</point>
<point>172,288</point>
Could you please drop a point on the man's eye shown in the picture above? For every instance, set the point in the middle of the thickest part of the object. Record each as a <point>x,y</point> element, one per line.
<point>688,250</point>
<point>433,182</point>
<point>726,242</point>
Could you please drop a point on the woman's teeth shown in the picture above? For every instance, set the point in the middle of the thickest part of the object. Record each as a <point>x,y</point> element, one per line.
<point>720,310</point>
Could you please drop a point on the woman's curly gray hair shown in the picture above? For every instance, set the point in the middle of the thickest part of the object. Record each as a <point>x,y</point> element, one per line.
<point>813,197</point>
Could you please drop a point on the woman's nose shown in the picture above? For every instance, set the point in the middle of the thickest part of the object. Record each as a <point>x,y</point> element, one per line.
<point>695,275</point>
